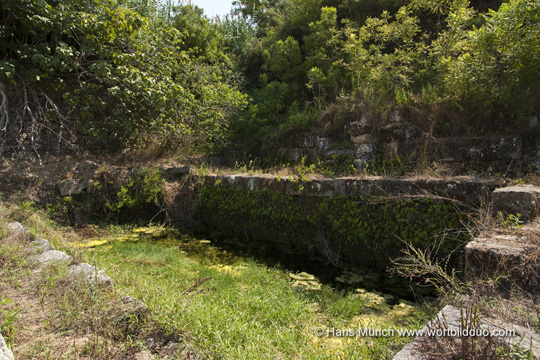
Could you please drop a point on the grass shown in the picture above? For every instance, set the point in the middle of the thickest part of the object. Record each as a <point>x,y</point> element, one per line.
<point>237,308</point>
<point>46,313</point>
<point>212,303</point>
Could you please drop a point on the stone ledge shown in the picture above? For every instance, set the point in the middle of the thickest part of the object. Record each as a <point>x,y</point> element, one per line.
<point>90,274</point>
<point>5,352</point>
<point>54,256</point>
<point>524,200</point>
<point>450,317</point>
<point>470,191</point>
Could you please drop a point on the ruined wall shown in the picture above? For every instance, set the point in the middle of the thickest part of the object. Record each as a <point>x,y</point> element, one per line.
<point>363,220</point>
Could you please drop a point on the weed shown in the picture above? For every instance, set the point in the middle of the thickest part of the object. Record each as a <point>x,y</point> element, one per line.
<point>9,315</point>
<point>510,223</point>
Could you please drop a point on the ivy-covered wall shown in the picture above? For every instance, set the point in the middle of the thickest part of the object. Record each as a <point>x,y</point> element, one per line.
<point>365,230</point>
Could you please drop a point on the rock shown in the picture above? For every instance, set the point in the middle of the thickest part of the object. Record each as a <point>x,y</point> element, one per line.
<point>305,140</point>
<point>144,355</point>
<point>360,164</point>
<point>72,187</point>
<point>178,170</point>
<point>533,121</point>
<point>450,318</point>
<point>398,132</point>
<point>486,148</point>
<point>498,255</point>
<point>91,274</point>
<point>395,117</point>
<point>132,302</point>
<point>364,139</point>
<point>43,244</point>
<point>524,200</point>
<point>54,256</point>
<point>365,151</point>
<point>87,169</point>
<point>5,353</point>
<point>360,127</point>
<point>16,227</point>
<point>322,144</point>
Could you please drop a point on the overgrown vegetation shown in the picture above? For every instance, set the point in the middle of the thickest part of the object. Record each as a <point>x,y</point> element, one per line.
<point>108,72</point>
<point>113,197</point>
<point>238,308</point>
<point>449,67</point>
<point>480,296</point>
<point>337,225</point>
<point>208,302</point>
<point>136,72</point>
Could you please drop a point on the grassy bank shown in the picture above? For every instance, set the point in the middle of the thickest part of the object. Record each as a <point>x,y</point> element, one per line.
<point>237,308</point>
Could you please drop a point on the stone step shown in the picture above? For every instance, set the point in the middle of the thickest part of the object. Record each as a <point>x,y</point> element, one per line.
<point>523,200</point>
<point>450,318</point>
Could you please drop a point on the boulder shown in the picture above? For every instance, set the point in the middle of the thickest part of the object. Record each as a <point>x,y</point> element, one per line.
<point>398,132</point>
<point>43,245</point>
<point>178,170</point>
<point>91,274</point>
<point>524,200</point>
<point>5,353</point>
<point>71,187</point>
<point>16,227</point>
<point>54,256</point>
<point>87,169</point>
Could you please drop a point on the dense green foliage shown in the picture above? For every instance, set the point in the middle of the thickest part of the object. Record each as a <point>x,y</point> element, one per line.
<point>450,67</point>
<point>126,72</point>
<point>113,198</point>
<point>372,229</point>
<point>109,74</point>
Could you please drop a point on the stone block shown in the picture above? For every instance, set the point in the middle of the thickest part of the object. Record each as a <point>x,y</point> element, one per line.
<point>364,139</point>
<point>450,318</point>
<point>91,274</point>
<point>178,170</point>
<point>497,255</point>
<point>360,164</point>
<point>43,245</point>
<point>318,188</point>
<point>360,128</point>
<point>524,200</point>
<point>71,187</point>
<point>398,132</point>
<point>345,152</point>
<point>364,151</point>
<point>5,352</point>
<point>54,256</point>
<point>322,144</point>
<point>486,148</point>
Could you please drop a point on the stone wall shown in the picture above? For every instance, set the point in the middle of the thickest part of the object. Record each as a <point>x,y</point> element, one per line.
<point>363,220</point>
<point>470,191</point>
<point>398,138</point>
